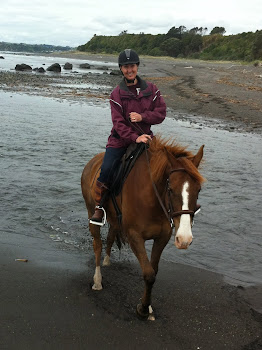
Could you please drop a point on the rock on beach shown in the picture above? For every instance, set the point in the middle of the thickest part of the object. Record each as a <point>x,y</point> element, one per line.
<point>23,67</point>
<point>68,66</point>
<point>55,67</point>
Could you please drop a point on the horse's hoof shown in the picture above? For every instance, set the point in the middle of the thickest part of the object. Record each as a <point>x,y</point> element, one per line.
<point>142,311</point>
<point>151,316</point>
<point>106,261</point>
<point>97,287</point>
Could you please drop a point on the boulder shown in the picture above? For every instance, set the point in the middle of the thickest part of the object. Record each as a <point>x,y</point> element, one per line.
<point>102,68</point>
<point>85,65</point>
<point>39,70</point>
<point>68,66</point>
<point>115,72</point>
<point>2,57</point>
<point>55,67</point>
<point>23,67</point>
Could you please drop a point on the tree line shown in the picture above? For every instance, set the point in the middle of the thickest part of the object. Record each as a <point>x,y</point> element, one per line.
<point>183,43</point>
<point>13,47</point>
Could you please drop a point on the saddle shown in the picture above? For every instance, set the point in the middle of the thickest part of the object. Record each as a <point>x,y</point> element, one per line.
<point>133,152</point>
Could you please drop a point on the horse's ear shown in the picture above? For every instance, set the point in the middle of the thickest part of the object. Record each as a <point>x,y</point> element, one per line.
<point>197,158</point>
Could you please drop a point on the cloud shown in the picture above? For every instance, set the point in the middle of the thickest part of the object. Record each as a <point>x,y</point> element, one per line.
<point>63,22</point>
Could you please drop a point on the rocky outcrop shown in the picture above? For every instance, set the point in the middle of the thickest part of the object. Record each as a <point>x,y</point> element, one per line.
<point>23,67</point>
<point>85,65</point>
<point>55,67</point>
<point>68,66</point>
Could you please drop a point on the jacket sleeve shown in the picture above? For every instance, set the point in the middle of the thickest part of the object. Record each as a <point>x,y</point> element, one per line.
<point>158,114</point>
<point>120,124</point>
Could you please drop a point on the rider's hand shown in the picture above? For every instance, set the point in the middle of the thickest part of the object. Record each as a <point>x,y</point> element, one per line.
<point>135,117</point>
<point>143,138</point>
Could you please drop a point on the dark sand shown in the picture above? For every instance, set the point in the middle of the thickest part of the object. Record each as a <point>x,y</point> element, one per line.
<point>47,303</point>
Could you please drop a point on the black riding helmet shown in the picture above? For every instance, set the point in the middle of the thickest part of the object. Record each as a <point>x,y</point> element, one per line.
<point>128,56</point>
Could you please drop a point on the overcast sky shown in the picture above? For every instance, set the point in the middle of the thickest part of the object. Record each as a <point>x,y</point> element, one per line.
<point>74,22</point>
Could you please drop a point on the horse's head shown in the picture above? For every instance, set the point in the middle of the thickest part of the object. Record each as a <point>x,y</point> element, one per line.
<point>183,186</point>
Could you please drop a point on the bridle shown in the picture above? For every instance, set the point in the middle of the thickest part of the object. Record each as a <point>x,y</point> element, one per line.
<point>170,213</point>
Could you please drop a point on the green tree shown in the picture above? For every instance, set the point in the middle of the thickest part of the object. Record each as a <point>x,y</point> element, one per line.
<point>172,46</point>
<point>218,30</point>
<point>176,32</point>
<point>257,45</point>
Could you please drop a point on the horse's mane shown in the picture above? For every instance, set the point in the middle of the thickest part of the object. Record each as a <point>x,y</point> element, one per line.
<point>159,161</point>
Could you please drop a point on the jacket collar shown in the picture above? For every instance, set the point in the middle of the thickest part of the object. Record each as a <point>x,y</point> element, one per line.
<point>142,83</point>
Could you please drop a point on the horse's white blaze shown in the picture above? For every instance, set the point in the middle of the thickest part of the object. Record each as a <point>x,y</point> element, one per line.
<point>97,279</point>
<point>184,232</point>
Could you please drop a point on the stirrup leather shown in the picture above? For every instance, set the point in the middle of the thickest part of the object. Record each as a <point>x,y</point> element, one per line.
<point>103,220</point>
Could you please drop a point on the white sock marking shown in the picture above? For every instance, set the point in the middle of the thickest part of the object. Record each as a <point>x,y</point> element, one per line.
<point>97,279</point>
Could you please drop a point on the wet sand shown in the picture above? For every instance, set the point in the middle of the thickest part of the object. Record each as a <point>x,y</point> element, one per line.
<point>47,302</point>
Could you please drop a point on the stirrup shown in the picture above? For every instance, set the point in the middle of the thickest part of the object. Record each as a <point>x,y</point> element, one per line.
<point>102,223</point>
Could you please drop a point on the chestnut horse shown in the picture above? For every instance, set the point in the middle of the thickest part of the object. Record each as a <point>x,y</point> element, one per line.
<point>159,193</point>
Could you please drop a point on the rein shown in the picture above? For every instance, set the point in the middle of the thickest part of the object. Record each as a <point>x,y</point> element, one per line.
<point>170,214</point>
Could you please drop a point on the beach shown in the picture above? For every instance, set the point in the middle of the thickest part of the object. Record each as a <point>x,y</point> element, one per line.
<point>47,303</point>
<point>46,298</point>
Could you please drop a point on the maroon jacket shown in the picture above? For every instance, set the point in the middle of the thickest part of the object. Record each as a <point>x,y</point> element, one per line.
<point>149,103</point>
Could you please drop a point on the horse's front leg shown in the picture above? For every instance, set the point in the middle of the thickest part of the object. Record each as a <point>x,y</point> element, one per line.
<point>97,245</point>
<point>138,246</point>
<point>110,241</point>
<point>157,249</point>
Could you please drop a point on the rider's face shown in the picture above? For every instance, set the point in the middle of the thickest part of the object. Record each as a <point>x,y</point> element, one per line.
<point>129,71</point>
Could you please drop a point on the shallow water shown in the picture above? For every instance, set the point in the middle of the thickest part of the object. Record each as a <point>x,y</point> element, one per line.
<point>36,61</point>
<point>45,144</point>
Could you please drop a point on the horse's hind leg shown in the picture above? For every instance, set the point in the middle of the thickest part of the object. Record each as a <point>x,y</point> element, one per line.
<point>97,245</point>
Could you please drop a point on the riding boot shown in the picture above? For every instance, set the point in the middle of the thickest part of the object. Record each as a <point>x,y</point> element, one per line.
<point>100,194</point>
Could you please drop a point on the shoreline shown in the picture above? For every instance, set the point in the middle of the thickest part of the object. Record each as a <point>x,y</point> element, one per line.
<point>226,91</point>
<point>224,94</point>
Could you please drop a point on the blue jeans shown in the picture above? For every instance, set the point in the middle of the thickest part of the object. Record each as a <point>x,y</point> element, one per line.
<point>110,163</point>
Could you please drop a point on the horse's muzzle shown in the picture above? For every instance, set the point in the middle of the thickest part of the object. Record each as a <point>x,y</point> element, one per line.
<point>180,243</point>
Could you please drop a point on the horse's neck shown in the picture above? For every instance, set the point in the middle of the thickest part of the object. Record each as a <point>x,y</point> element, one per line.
<point>145,183</point>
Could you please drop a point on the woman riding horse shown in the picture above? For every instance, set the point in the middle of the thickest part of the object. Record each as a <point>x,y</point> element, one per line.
<point>158,197</point>
<point>135,106</point>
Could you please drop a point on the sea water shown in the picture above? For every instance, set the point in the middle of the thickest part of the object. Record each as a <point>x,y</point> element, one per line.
<point>45,144</point>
